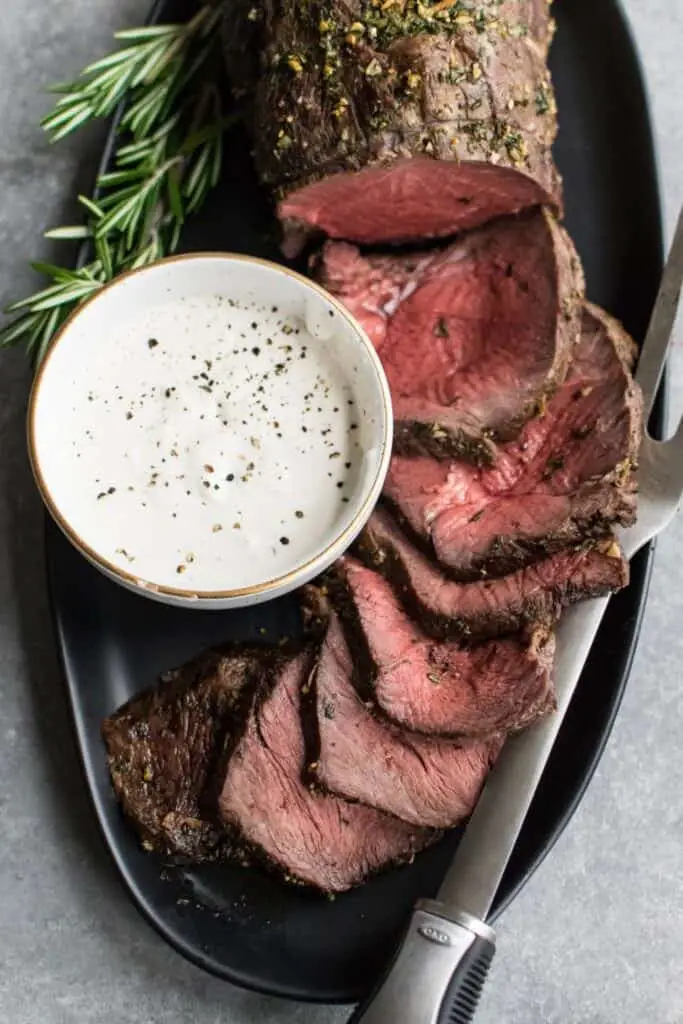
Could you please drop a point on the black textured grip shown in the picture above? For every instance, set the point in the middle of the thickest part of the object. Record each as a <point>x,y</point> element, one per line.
<point>460,1002</point>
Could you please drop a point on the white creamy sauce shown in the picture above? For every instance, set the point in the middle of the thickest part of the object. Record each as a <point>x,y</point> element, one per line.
<point>214,445</point>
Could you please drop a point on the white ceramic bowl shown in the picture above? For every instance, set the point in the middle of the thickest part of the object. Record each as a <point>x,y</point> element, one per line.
<point>155,448</point>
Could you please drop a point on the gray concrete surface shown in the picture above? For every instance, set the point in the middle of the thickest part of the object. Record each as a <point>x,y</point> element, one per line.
<point>596,937</point>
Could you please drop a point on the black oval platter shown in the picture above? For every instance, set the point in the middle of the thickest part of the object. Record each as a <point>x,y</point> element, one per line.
<point>240,924</point>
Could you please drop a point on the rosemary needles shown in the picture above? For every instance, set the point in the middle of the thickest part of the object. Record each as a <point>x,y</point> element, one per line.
<point>167,158</point>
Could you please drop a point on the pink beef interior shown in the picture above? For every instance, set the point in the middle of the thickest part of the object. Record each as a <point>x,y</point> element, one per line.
<point>426,781</point>
<point>323,841</point>
<point>470,336</point>
<point>488,607</point>
<point>442,688</point>
<point>557,470</point>
<point>409,200</point>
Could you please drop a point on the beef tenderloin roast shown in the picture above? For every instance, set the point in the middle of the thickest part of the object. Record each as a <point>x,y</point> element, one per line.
<point>439,688</point>
<point>474,337</point>
<point>488,607</point>
<point>304,836</point>
<point>567,477</point>
<point>428,781</point>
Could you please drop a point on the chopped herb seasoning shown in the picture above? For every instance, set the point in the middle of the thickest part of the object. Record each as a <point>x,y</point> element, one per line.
<point>544,99</point>
<point>554,463</point>
<point>152,343</point>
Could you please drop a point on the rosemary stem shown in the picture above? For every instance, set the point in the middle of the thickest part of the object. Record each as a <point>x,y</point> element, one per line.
<point>166,159</point>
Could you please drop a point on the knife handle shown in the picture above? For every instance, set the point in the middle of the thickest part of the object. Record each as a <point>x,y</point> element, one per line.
<point>438,973</point>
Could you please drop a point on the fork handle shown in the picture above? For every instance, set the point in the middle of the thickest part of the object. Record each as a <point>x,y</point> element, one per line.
<point>438,973</point>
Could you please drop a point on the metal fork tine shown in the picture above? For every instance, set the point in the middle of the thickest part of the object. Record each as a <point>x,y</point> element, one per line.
<point>655,347</point>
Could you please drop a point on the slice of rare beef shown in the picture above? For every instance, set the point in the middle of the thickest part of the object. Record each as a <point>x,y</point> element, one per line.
<point>438,687</point>
<point>472,337</point>
<point>318,840</point>
<point>162,747</point>
<point>423,780</point>
<point>411,200</point>
<point>568,476</point>
<point>488,608</point>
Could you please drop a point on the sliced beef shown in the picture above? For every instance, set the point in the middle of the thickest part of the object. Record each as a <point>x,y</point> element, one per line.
<point>162,748</point>
<point>472,337</point>
<point>488,608</point>
<point>318,840</point>
<point>334,86</point>
<point>568,476</point>
<point>439,687</point>
<point>426,198</point>
<point>423,780</point>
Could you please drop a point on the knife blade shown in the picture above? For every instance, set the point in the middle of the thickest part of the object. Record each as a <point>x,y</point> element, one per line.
<point>475,873</point>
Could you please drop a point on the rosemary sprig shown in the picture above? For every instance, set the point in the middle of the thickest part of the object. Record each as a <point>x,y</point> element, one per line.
<point>167,159</point>
<point>155,61</point>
